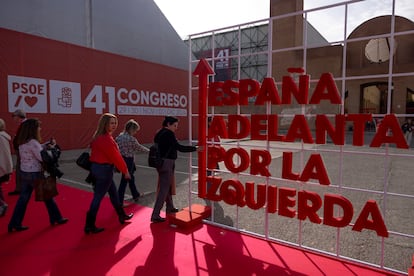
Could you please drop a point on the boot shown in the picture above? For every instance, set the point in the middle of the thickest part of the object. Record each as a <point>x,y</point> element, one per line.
<point>122,216</point>
<point>90,225</point>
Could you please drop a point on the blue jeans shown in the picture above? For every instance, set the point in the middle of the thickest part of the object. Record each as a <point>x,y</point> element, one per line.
<point>27,181</point>
<point>104,183</point>
<point>123,184</point>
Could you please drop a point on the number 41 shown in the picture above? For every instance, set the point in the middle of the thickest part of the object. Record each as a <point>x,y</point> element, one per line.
<point>95,99</point>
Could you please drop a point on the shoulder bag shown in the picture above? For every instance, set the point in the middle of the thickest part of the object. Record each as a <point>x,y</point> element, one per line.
<point>45,188</point>
<point>83,161</point>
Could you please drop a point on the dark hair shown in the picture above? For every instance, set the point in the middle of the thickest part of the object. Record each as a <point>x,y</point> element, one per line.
<point>28,130</point>
<point>169,120</point>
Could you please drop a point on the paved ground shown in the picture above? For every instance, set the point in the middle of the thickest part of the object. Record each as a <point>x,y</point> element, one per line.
<point>360,172</point>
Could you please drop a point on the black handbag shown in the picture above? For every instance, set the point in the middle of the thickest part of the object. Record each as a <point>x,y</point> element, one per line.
<point>5,178</point>
<point>83,161</point>
<point>154,157</point>
<point>45,188</point>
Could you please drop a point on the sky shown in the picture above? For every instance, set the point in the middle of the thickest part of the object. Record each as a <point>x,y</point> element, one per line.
<point>190,17</point>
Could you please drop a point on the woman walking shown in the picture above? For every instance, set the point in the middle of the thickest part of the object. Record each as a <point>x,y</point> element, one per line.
<point>168,146</point>
<point>128,146</point>
<point>28,141</point>
<point>105,156</point>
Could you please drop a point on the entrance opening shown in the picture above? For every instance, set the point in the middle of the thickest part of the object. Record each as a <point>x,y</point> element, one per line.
<point>409,104</point>
<point>374,98</point>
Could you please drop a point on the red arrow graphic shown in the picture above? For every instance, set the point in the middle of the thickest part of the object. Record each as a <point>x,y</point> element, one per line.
<point>203,70</point>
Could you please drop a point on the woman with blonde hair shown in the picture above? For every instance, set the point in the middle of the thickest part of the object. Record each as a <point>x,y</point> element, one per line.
<point>105,156</point>
<point>128,146</point>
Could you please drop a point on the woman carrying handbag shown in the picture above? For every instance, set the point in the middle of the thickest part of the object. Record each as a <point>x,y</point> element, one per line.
<point>105,157</point>
<point>28,141</point>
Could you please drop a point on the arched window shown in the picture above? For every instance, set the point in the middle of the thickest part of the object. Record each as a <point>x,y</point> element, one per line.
<point>374,98</point>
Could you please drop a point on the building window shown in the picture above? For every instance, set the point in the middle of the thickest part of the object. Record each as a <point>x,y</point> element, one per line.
<point>374,98</point>
<point>378,50</point>
<point>409,106</point>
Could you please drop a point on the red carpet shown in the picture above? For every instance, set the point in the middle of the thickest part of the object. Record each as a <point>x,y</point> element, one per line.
<point>141,248</point>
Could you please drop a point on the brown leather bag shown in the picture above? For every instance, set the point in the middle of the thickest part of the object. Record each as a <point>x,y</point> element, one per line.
<point>45,188</point>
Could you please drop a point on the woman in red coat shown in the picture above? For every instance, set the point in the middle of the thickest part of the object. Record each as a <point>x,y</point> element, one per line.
<point>105,156</point>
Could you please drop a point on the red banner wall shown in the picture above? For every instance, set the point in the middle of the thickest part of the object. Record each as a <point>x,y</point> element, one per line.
<point>68,87</point>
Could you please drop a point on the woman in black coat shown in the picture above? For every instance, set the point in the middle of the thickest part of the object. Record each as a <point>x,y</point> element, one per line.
<point>168,147</point>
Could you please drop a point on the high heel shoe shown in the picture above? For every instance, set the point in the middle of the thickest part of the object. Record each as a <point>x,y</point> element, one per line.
<point>60,221</point>
<point>122,216</point>
<point>137,197</point>
<point>92,229</point>
<point>157,219</point>
<point>172,210</point>
<point>3,210</point>
<point>90,226</point>
<point>17,228</point>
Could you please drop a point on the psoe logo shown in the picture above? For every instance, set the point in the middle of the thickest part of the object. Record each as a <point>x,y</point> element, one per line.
<point>65,97</point>
<point>30,94</point>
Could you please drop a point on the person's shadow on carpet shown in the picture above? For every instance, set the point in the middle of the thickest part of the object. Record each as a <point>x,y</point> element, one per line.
<point>160,260</point>
<point>220,262</point>
<point>95,254</point>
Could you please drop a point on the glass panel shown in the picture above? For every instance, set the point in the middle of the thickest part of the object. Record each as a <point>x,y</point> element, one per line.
<point>409,106</point>
<point>404,9</point>
<point>363,11</point>
<point>364,246</point>
<point>367,57</point>
<point>325,26</point>
<point>283,28</point>
<point>378,50</point>
<point>375,98</point>
<point>254,67</point>
<point>403,259</point>
<point>403,58</point>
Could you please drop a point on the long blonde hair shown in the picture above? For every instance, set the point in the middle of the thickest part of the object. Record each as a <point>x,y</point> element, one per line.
<point>103,123</point>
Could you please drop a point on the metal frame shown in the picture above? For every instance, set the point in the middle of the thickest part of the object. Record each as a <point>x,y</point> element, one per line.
<point>256,42</point>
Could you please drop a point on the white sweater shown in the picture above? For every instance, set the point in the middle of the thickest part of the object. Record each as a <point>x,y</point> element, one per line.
<point>6,162</point>
<point>30,157</point>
